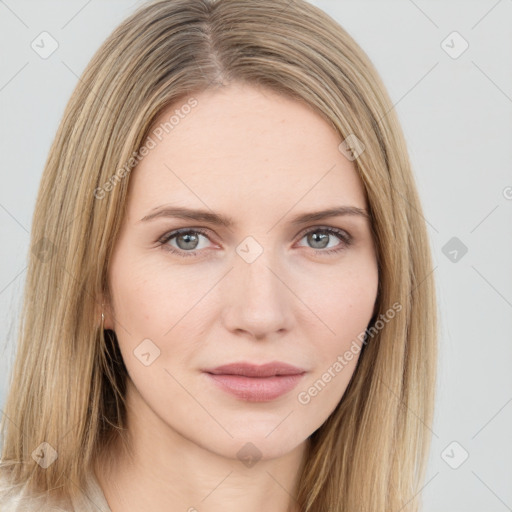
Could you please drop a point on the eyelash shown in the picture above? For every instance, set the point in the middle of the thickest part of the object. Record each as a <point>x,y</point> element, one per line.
<point>345,238</point>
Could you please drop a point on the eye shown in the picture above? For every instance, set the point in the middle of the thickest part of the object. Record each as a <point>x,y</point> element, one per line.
<point>187,240</point>
<point>319,238</point>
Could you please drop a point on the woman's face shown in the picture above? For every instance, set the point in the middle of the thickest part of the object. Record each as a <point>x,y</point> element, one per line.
<point>266,288</point>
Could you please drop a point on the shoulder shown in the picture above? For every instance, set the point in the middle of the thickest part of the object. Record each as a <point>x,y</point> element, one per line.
<point>16,499</point>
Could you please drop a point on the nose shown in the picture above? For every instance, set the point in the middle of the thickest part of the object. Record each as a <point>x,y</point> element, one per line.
<point>258,299</point>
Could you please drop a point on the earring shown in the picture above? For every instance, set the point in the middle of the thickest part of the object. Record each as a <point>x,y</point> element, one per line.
<point>102,318</point>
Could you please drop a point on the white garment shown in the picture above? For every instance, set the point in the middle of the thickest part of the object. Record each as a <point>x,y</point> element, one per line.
<point>91,499</point>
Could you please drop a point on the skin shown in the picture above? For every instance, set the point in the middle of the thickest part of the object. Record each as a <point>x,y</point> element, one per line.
<point>261,159</point>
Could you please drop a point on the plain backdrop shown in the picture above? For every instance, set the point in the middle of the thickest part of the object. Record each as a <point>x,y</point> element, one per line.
<point>448,68</point>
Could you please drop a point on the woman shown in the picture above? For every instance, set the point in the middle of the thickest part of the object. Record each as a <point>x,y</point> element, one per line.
<point>229,301</point>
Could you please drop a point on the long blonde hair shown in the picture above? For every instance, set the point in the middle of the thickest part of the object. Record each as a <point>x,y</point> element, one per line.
<point>68,381</point>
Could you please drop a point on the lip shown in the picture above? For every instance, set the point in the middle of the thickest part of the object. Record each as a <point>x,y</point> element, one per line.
<point>253,383</point>
<point>251,370</point>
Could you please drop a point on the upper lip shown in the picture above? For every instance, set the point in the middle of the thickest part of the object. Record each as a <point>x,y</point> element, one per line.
<point>250,370</point>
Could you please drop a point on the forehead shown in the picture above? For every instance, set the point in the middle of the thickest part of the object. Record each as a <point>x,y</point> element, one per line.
<point>248,146</point>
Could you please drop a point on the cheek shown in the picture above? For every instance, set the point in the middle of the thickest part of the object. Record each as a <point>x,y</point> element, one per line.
<point>345,308</point>
<point>136,300</point>
<point>342,301</point>
<point>146,292</point>
<point>343,304</point>
<point>152,300</point>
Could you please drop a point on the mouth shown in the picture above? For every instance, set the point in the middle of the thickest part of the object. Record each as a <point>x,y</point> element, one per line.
<point>244,369</point>
<point>253,383</point>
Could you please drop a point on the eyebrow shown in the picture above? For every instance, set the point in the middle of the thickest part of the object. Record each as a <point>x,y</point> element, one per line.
<point>228,222</point>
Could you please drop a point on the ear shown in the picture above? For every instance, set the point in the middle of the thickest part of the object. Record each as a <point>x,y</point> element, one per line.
<point>103,306</point>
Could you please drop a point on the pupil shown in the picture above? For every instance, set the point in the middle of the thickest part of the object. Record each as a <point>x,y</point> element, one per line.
<point>188,238</point>
<point>316,238</point>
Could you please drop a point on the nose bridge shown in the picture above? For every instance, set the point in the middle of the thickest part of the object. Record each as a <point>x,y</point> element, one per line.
<point>258,275</point>
<point>258,300</point>
<point>261,284</point>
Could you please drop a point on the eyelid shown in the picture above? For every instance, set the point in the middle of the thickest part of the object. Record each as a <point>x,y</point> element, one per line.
<point>168,235</point>
<point>205,231</point>
<point>340,232</point>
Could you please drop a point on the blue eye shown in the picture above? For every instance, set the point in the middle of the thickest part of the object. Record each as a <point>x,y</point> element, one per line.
<point>325,234</point>
<point>189,238</point>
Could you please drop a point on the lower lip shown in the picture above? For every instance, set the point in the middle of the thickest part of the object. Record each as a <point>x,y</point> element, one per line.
<point>256,389</point>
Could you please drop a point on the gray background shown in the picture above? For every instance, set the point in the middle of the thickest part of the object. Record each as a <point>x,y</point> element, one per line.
<point>456,114</point>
